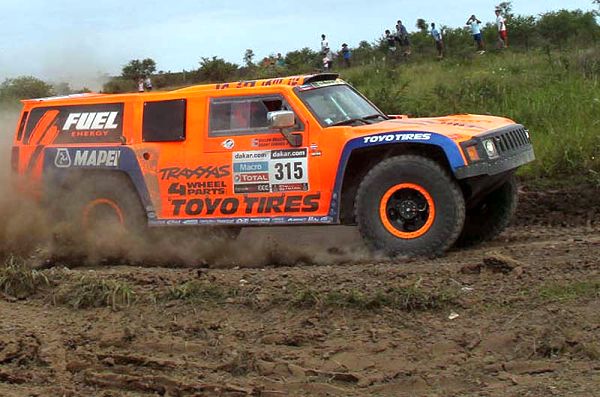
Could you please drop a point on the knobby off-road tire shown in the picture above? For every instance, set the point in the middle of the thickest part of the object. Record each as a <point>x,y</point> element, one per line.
<point>491,216</point>
<point>105,198</point>
<point>409,205</point>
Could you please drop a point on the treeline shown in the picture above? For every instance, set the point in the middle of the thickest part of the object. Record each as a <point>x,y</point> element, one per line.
<point>557,30</point>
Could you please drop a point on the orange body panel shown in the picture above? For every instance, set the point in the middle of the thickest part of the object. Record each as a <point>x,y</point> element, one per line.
<point>206,177</point>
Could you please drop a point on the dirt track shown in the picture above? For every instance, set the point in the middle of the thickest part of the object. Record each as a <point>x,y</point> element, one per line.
<point>527,304</point>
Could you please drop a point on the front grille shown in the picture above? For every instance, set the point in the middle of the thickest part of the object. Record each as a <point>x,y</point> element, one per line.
<point>511,139</point>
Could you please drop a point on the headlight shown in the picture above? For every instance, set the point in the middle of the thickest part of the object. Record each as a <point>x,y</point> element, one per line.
<point>490,148</point>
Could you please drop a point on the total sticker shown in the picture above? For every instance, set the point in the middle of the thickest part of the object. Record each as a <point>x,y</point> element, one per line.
<point>285,170</point>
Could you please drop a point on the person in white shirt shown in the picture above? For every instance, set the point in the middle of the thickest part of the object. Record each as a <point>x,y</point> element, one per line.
<point>502,32</point>
<point>439,41</point>
<point>324,45</point>
<point>148,83</point>
<point>475,25</point>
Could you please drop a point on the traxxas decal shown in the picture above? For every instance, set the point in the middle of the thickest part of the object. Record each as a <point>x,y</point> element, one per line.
<point>200,172</point>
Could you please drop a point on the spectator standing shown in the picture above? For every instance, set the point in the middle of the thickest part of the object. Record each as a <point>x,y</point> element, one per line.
<point>391,41</point>
<point>346,55</point>
<point>279,62</point>
<point>328,60</point>
<point>475,25</point>
<point>148,83</point>
<point>439,41</point>
<point>502,32</point>
<point>402,37</point>
<point>324,45</point>
<point>140,85</point>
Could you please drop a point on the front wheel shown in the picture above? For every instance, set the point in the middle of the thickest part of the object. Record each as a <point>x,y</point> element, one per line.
<point>409,205</point>
<point>490,216</point>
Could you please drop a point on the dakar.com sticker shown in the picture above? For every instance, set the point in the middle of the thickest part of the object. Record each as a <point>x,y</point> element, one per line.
<point>265,171</point>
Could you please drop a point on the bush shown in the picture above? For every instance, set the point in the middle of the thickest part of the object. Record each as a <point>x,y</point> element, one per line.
<point>25,87</point>
<point>20,281</point>
<point>91,292</point>
<point>216,70</point>
<point>119,85</point>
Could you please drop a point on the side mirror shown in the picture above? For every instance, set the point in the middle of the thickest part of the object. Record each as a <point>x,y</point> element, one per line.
<point>281,120</point>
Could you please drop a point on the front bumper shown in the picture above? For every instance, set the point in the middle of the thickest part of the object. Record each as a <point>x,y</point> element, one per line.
<point>514,150</point>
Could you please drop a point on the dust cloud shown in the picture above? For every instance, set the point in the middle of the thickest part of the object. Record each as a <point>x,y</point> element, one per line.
<point>29,229</point>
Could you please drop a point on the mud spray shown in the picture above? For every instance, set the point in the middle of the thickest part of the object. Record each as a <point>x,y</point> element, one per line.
<point>29,230</point>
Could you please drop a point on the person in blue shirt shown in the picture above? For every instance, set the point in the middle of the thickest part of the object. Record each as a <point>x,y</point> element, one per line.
<point>346,55</point>
<point>475,25</point>
<point>439,40</point>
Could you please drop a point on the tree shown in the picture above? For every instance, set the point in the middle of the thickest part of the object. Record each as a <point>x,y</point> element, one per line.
<point>422,25</point>
<point>249,58</point>
<point>559,27</point>
<point>62,88</point>
<point>506,8</point>
<point>25,87</point>
<point>304,60</point>
<point>137,69</point>
<point>216,70</point>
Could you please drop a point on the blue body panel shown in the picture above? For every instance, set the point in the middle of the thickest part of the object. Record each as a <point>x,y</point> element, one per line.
<point>450,148</point>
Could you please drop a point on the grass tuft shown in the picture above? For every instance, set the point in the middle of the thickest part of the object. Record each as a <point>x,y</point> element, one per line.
<point>407,299</point>
<point>91,292</point>
<point>570,291</point>
<point>198,291</point>
<point>20,281</point>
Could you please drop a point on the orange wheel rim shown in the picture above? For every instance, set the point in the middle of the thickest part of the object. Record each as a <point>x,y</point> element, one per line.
<point>407,210</point>
<point>99,202</point>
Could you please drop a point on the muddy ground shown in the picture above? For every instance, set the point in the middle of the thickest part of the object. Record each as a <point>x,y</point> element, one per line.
<point>518,316</point>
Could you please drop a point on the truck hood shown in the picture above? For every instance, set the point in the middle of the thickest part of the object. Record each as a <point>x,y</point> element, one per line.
<point>457,127</point>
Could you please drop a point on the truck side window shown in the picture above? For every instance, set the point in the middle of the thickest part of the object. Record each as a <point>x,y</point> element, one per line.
<point>244,115</point>
<point>164,121</point>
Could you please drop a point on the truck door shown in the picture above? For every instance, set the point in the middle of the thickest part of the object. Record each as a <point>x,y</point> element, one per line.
<point>269,177</point>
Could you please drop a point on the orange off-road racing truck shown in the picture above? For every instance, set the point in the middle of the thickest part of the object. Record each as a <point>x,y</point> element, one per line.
<point>303,150</point>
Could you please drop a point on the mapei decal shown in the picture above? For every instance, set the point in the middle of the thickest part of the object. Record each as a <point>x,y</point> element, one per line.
<point>87,158</point>
<point>265,171</point>
<point>102,123</point>
<point>425,136</point>
<point>247,205</point>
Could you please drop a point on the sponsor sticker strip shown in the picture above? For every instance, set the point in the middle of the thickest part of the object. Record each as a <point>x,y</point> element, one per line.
<point>266,171</point>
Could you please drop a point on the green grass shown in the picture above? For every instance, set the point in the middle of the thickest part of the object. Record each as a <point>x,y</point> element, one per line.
<point>20,281</point>
<point>555,95</point>
<point>570,291</point>
<point>407,299</point>
<point>198,291</point>
<point>91,292</point>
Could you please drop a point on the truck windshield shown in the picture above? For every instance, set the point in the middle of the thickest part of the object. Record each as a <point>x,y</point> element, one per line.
<point>340,105</point>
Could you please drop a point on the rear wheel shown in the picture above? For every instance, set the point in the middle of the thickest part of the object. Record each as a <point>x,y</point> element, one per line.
<point>491,216</point>
<point>103,212</point>
<point>408,205</point>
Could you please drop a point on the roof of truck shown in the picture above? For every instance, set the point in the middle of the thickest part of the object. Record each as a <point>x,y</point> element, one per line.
<point>290,81</point>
